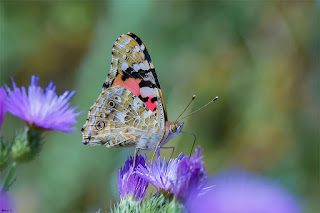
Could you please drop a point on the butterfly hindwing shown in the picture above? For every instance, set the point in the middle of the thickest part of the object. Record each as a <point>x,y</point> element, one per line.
<point>119,118</point>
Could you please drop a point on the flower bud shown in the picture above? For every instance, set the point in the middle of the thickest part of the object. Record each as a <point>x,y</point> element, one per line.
<point>4,155</point>
<point>27,145</point>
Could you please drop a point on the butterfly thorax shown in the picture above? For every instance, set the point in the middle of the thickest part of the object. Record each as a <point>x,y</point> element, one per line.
<point>172,129</point>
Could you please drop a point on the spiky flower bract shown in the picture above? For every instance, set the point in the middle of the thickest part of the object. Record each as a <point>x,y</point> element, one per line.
<point>130,184</point>
<point>42,108</point>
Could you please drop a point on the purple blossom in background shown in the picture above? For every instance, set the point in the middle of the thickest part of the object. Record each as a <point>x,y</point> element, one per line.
<point>178,176</point>
<point>42,108</point>
<point>6,202</point>
<point>241,192</point>
<point>3,106</point>
<point>134,185</point>
<point>163,174</point>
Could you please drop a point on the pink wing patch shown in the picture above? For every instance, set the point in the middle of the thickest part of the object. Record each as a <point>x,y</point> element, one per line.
<point>151,105</point>
<point>130,84</point>
<point>146,94</point>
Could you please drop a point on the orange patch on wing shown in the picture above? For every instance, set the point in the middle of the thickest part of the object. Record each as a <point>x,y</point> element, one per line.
<point>130,84</point>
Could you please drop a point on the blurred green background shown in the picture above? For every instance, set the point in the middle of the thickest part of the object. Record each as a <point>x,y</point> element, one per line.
<point>260,57</point>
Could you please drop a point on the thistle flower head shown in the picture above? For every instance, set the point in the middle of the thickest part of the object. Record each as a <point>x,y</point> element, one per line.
<point>129,182</point>
<point>3,106</point>
<point>178,176</point>
<point>42,108</point>
<point>161,174</point>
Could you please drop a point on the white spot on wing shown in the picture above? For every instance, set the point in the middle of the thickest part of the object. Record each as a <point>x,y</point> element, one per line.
<point>124,57</point>
<point>142,47</point>
<point>124,66</point>
<point>143,67</point>
<point>147,92</point>
<point>127,50</point>
<point>136,48</point>
<point>136,67</point>
<point>124,42</point>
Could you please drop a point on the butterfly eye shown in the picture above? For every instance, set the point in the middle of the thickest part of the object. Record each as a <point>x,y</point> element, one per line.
<point>173,128</point>
<point>100,125</point>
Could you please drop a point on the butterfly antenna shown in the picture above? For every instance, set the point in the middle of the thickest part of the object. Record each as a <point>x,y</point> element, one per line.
<point>193,97</point>
<point>195,138</point>
<point>198,109</point>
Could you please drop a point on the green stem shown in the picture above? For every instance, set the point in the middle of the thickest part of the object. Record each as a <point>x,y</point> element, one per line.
<point>9,178</point>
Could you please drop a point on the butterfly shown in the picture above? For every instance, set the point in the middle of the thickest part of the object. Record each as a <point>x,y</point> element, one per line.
<point>130,111</point>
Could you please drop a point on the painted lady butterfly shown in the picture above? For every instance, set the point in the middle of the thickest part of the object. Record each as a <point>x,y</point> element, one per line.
<point>130,111</point>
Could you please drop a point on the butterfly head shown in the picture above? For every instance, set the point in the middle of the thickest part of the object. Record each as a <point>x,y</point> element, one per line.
<point>172,130</point>
<point>175,128</point>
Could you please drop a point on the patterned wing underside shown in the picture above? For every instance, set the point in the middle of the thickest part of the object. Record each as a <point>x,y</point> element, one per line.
<point>132,68</point>
<point>119,118</point>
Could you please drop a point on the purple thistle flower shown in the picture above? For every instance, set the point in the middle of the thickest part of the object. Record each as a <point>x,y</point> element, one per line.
<point>178,176</point>
<point>163,174</point>
<point>191,178</point>
<point>42,108</point>
<point>238,191</point>
<point>3,106</point>
<point>134,185</point>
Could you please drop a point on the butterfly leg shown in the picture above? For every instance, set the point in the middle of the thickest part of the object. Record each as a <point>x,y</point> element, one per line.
<point>155,151</point>
<point>171,147</point>
<point>136,151</point>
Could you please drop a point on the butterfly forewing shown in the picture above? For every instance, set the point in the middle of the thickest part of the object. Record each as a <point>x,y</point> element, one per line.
<point>132,68</point>
<point>130,110</point>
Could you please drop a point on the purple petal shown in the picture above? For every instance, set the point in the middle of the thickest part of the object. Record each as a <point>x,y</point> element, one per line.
<point>191,177</point>
<point>163,174</point>
<point>42,108</point>
<point>132,185</point>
